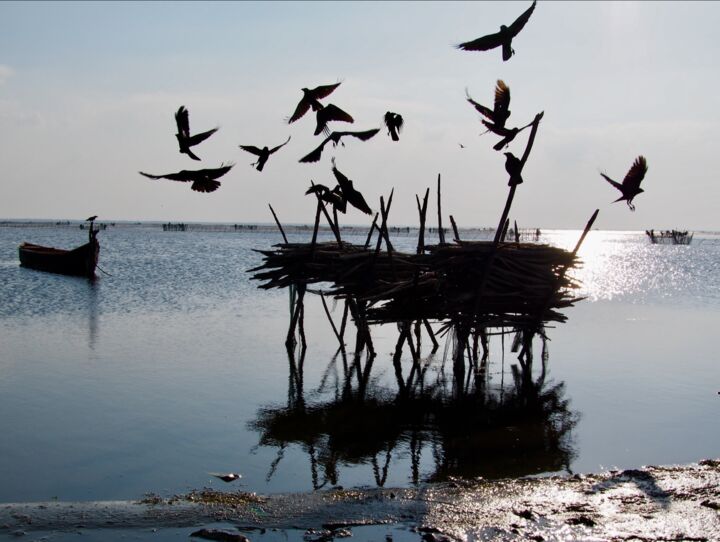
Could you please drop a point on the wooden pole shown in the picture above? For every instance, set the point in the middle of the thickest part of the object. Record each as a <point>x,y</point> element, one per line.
<point>278,224</point>
<point>441,233</point>
<point>327,312</point>
<point>455,229</point>
<point>422,210</point>
<point>372,227</point>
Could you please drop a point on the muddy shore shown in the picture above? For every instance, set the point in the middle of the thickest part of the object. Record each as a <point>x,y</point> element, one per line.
<point>653,503</point>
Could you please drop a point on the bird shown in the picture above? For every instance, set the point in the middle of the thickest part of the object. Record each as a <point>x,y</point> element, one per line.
<point>203,180</point>
<point>500,111</point>
<point>334,197</point>
<point>336,137</point>
<point>503,38</point>
<point>185,140</point>
<point>310,99</point>
<point>630,186</point>
<point>394,123</point>
<point>352,196</point>
<point>513,166</point>
<point>330,112</point>
<point>508,134</point>
<point>90,219</point>
<point>262,154</point>
<point>230,477</point>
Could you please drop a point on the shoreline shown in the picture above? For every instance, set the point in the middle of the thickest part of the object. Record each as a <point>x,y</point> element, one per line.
<point>652,503</point>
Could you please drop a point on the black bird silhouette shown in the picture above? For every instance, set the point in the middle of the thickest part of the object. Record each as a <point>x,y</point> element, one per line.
<point>185,140</point>
<point>203,180</point>
<point>310,99</point>
<point>352,196</point>
<point>336,137</point>
<point>229,477</point>
<point>262,154</point>
<point>501,108</point>
<point>630,186</point>
<point>508,134</point>
<point>394,124</point>
<point>334,197</point>
<point>328,113</point>
<point>513,166</point>
<point>90,219</point>
<point>502,38</point>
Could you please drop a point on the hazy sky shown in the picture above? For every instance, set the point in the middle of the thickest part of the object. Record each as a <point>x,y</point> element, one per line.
<point>88,92</point>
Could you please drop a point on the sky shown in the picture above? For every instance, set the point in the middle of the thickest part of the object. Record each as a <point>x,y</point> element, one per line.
<point>88,93</point>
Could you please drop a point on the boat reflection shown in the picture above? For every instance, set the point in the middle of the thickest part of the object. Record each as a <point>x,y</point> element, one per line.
<point>449,423</point>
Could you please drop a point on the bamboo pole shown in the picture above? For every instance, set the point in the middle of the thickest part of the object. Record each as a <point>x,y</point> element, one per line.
<point>455,229</point>
<point>372,226</point>
<point>278,224</point>
<point>441,233</point>
<point>327,312</point>
<point>422,210</point>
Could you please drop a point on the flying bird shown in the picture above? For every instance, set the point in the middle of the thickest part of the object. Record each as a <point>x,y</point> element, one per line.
<point>501,108</point>
<point>513,166</point>
<point>203,180</point>
<point>310,99</point>
<point>336,137</point>
<point>262,154</point>
<point>503,38</point>
<point>394,123</point>
<point>352,196</point>
<point>630,186</point>
<point>508,134</point>
<point>328,113</point>
<point>230,477</point>
<point>185,140</point>
<point>334,197</point>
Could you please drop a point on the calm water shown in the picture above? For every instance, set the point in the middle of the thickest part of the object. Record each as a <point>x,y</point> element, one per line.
<point>174,366</point>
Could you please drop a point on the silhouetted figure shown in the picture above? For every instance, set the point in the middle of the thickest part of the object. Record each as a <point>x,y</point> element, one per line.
<point>336,137</point>
<point>262,154</point>
<point>352,196</point>
<point>394,124</point>
<point>185,140</point>
<point>508,134</point>
<point>501,108</point>
<point>630,186</point>
<point>310,99</point>
<point>334,197</point>
<point>91,219</point>
<point>203,180</point>
<point>513,166</point>
<point>329,113</point>
<point>500,39</point>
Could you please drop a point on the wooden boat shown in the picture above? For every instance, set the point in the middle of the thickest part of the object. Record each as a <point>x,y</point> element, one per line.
<point>80,261</point>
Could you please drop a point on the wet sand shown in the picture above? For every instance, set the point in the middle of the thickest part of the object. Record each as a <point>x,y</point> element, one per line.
<point>653,503</point>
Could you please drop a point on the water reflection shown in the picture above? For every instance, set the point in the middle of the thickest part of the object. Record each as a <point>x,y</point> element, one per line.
<point>457,422</point>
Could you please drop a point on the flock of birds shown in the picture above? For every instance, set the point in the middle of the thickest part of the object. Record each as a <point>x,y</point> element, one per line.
<point>495,121</point>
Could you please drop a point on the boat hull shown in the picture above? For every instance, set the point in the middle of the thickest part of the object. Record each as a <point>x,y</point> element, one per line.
<point>80,261</point>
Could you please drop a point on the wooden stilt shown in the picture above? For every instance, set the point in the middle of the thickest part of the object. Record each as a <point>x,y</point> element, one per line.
<point>282,232</point>
<point>327,312</point>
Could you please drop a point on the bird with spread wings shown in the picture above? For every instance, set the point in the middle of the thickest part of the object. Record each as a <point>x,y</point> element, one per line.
<point>203,180</point>
<point>336,137</point>
<point>311,99</point>
<point>262,154</point>
<point>352,196</point>
<point>630,187</point>
<point>500,112</point>
<point>503,38</point>
<point>185,140</point>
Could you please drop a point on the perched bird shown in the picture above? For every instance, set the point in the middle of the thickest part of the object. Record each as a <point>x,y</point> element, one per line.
<point>262,154</point>
<point>328,113</point>
<point>90,219</point>
<point>230,477</point>
<point>310,99</point>
<point>336,137</point>
<point>185,140</point>
<point>203,180</point>
<point>513,166</point>
<point>352,196</point>
<point>630,186</point>
<point>501,108</point>
<point>394,123</point>
<point>502,38</point>
<point>334,197</point>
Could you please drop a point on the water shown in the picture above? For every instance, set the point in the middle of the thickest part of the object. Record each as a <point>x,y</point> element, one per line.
<point>174,367</point>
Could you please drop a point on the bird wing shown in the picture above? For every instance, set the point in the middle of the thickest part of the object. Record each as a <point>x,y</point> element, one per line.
<point>485,43</point>
<point>517,26</point>
<point>333,112</point>
<point>182,176</point>
<point>323,90</point>
<point>315,154</point>
<point>502,100</point>
<point>479,107</point>
<point>615,184</point>
<point>300,110</point>
<point>214,173</point>
<point>362,136</point>
<point>251,148</point>
<point>183,122</point>
<point>341,179</point>
<point>199,138</point>
<point>398,122</point>
<point>636,174</point>
<point>280,146</point>
<point>317,189</point>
